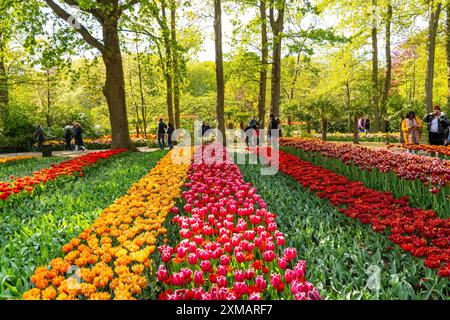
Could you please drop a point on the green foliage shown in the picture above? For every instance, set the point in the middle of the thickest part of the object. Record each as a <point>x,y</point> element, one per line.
<point>26,167</point>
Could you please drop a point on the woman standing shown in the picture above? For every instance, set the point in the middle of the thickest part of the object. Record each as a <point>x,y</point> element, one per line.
<point>412,127</point>
<point>78,131</point>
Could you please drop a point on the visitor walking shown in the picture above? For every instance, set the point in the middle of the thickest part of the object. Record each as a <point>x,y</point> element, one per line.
<point>437,125</point>
<point>412,128</point>
<point>161,133</point>
<point>68,135</point>
<point>39,134</point>
<point>78,133</point>
<point>170,130</point>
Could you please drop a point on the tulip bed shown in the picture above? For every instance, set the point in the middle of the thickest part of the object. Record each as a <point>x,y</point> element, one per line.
<point>33,231</point>
<point>417,231</point>
<point>231,247</point>
<point>66,168</point>
<point>424,180</point>
<point>441,151</point>
<point>111,258</point>
<point>12,159</point>
<point>393,137</point>
<point>345,254</point>
<point>104,142</point>
<point>26,167</point>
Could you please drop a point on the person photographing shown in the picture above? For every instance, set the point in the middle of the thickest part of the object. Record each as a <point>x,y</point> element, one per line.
<point>437,126</point>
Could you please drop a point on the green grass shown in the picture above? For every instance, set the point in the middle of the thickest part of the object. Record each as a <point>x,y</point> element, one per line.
<point>33,231</point>
<point>26,167</point>
<point>339,250</point>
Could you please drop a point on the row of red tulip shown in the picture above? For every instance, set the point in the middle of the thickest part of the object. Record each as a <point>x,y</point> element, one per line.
<point>420,232</point>
<point>431,171</point>
<point>66,168</point>
<point>230,247</point>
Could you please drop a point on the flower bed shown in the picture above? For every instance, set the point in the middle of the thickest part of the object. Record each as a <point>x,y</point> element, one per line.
<point>70,167</point>
<point>352,262</point>
<point>231,248</point>
<point>12,159</point>
<point>424,179</point>
<point>113,256</point>
<point>33,230</point>
<point>417,231</point>
<point>371,137</point>
<point>428,149</point>
<point>105,142</point>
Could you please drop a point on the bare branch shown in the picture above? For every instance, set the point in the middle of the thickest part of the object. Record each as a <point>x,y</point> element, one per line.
<point>60,12</point>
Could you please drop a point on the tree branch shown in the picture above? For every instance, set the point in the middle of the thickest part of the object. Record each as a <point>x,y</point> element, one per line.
<point>128,5</point>
<point>60,12</point>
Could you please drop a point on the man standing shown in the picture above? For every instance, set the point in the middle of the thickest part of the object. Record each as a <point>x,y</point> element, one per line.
<point>437,126</point>
<point>68,135</point>
<point>161,133</point>
<point>39,134</point>
<point>273,126</point>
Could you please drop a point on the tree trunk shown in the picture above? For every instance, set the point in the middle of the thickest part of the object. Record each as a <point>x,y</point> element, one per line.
<point>4,92</point>
<point>176,71</point>
<point>264,61</point>
<point>141,90</point>
<point>433,23</point>
<point>294,81</point>
<point>308,127</point>
<point>49,101</point>
<point>324,129</point>
<point>375,98</point>
<point>277,30</point>
<point>136,107</point>
<point>168,75</point>
<point>387,81</point>
<point>114,89</point>
<point>447,49</point>
<point>355,130</point>
<point>220,103</point>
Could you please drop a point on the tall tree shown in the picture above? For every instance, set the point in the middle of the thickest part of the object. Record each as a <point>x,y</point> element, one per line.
<point>375,97</point>
<point>175,58</point>
<point>141,91</point>
<point>435,8</point>
<point>447,50</point>
<point>220,100</point>
<point>108,13</point>
<point>276,15</point>
<point>388,78</point>
<point>264,61</point>
<point>168,49</point>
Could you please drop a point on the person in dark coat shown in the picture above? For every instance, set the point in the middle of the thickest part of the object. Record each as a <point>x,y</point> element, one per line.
<point>161,133</point>
<point>273,125</point>
<point>170,130</point>
<point>437,126</point>
<point>68,135</point>
<point>78,133</point>
<point>39,134</point>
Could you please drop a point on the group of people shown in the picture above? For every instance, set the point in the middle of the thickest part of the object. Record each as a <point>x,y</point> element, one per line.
<point>274,125</point>
<point>164,129</point>
<point>364,125</point>
<point>74,131</point>
<point>71,131</point>
<point>438,128</point>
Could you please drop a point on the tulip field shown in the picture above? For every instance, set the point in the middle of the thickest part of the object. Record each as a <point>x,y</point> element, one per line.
<point>335,222</point>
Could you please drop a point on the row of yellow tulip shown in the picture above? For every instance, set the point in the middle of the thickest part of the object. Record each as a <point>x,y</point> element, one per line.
<point>112,257</point>
<point>11,159</point>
